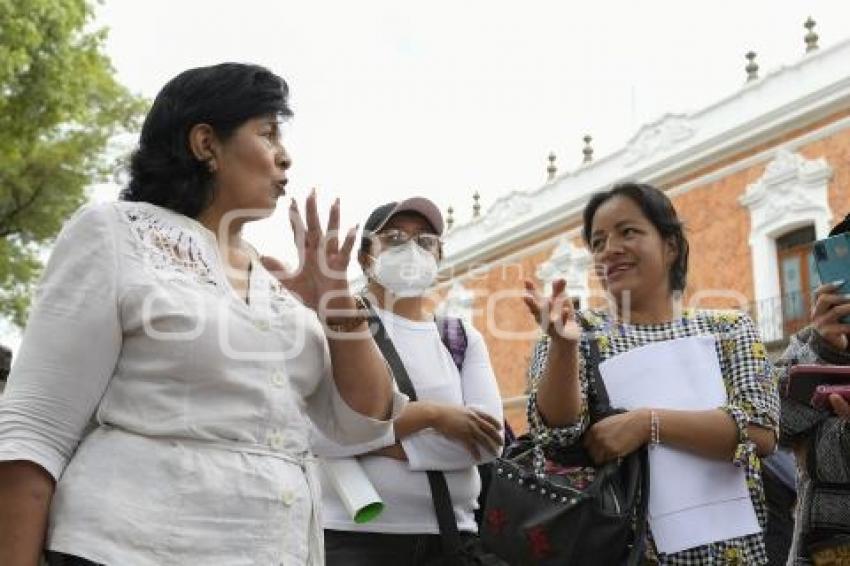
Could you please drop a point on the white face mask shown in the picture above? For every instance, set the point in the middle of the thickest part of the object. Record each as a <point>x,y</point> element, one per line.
<point>406,271</point>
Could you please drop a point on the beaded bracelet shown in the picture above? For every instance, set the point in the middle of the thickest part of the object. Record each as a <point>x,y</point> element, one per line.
<point>349,323</point>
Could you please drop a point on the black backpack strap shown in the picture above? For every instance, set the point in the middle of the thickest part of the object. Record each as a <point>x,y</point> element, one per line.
<point>440,495</point>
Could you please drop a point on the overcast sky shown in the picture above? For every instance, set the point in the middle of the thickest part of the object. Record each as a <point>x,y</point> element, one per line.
<point>441,98</point>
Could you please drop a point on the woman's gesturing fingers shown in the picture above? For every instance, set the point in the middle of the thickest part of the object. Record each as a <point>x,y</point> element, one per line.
<point>555,314</point>
<point>533,300</point>
<point>332,234</point>
<point>322,260</point>
<point>314,225</point>
<point>299,231</point>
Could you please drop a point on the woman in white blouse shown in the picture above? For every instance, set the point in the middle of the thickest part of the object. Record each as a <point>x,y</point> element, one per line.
<point>454,425</point>
<point>157,412</point>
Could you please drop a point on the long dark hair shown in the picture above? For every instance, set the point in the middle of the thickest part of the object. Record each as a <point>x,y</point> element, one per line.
<point>163,170</point>
<point>659,211</point>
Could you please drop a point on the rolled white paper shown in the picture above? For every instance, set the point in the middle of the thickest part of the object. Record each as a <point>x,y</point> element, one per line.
<point>354,488</point>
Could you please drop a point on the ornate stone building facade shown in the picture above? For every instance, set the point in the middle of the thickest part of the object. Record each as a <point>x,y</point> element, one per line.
<point>756,176</point>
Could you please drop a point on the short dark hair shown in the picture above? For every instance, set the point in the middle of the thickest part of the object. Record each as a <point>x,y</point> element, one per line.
<point>163,169</point>
<point>659,211</point>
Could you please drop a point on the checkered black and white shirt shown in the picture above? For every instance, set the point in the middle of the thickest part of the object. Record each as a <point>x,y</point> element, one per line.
<point>751,393</point>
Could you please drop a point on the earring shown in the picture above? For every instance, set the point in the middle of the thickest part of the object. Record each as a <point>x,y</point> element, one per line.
<point>211,165</point>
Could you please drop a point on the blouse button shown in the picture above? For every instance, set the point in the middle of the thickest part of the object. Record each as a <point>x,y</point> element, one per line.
<point>287,497</point>
<point>278,378</point>
<point>276,440</point>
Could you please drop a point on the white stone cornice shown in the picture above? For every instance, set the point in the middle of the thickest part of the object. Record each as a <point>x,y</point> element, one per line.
<point>663,151</point>
<point>506,209</point>
<point>658,137</point>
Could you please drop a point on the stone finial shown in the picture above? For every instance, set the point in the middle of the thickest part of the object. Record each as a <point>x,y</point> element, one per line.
<point>811,38</point>
<point>476,206</point>
<point>587,151</point>
<point>752,67</point>
<point>450,218</point>
<point>551,170</point>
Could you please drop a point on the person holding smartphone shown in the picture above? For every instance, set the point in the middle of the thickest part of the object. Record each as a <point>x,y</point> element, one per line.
<point>820,437</point>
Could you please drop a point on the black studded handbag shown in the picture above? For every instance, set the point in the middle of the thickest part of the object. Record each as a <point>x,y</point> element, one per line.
<point>537,515</point>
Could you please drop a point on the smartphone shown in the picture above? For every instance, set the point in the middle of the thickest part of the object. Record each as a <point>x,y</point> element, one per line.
<point>804,380</point>
<point>820,398</point>
<point>832,261</point>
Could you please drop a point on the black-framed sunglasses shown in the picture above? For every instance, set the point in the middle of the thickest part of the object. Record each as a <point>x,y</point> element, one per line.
<point>394,238</point>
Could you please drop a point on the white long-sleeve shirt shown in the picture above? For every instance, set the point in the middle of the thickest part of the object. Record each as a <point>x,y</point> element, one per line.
<point>173,415</point>
<point>403,486</point>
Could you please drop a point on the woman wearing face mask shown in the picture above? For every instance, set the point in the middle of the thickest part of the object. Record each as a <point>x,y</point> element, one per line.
<point>638,244</point>
<point>452,427</point>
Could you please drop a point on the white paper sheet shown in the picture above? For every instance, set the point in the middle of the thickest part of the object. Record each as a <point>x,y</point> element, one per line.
<point>693,500</point>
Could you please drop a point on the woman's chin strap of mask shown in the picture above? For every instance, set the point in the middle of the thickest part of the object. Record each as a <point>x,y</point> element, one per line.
<point>405,271</point>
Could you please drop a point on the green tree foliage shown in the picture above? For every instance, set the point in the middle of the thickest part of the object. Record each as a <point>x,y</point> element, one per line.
<point>60,105</point>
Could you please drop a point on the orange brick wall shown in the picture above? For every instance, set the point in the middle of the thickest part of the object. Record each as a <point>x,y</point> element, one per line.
<point>510,357</point>
<point>718,231</point>
<point>718,226</point>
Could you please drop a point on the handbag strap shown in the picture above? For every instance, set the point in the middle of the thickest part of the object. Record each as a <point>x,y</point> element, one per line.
<point>599,404</point>
<point>642,519</point>
<point>449,534</point>
<point>599,407</point>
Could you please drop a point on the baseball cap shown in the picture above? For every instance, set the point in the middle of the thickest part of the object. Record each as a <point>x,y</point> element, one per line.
<point>420,205</point>
<point>381,215</point>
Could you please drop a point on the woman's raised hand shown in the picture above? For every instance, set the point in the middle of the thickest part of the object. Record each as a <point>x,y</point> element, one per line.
<point>555,314</point>
<point>320,280</point>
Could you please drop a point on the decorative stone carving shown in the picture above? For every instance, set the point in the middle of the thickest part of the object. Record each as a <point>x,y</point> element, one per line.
<point>659,136</point>
<point>506,210</point>
<point>790,183</point>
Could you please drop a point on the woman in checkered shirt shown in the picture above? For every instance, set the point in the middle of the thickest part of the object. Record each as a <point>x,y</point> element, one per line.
<point>639,248</point>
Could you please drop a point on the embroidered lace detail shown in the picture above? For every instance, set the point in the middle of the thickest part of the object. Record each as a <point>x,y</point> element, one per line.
<point>168,248</point>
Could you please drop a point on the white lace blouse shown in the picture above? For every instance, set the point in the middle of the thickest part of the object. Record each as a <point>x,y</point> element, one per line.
<point>172,413</point>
